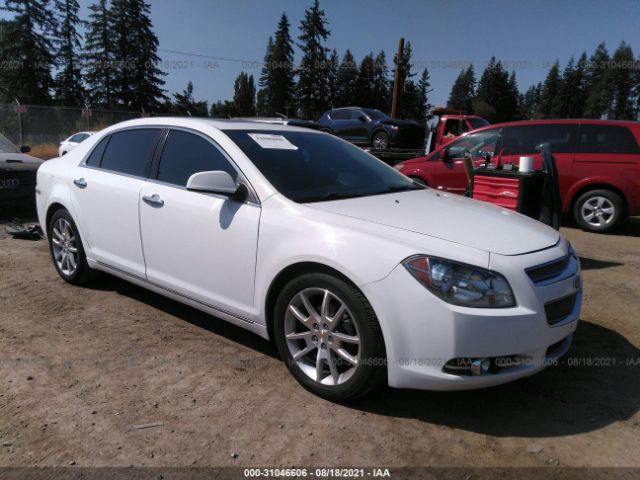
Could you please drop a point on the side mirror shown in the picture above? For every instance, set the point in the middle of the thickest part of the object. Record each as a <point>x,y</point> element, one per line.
<point>363,118</point>
<point>219,182</point>
<point>451,153</point>
<point>25,149</point>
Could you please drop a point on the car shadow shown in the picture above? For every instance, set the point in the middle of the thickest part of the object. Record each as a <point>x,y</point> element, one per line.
<point>200,319</point>
<point>593,264</point>
<point>628,228</point>
<point>594,385</point>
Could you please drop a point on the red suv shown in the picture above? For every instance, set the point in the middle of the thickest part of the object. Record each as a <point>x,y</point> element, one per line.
<point>598,163</point>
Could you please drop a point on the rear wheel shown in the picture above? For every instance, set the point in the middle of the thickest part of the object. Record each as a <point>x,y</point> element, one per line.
<point>598,210</point>
<point>66,249</point>
<point>329,337</point>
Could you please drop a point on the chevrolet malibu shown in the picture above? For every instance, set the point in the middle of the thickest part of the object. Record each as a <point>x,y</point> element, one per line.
<point>358,275</point>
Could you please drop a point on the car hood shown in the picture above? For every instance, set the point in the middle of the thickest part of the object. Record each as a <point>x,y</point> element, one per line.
<point>400,123</point>
<point>449,217</point>
<point>19,161</point>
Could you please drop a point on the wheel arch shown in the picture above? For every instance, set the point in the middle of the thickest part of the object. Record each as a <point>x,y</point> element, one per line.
<point>289,273</point>
<point>596,186</point>
<point>51,209</point>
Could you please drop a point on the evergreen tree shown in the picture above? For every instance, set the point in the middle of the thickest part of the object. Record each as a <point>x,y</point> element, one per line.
<point>10,57</point>
<point>463,91</point>
<point>281,85</point>
<point>570,100</point>
<point>597,88</point>
<point>621,80</point>
<point>99,55</point>
<point>423,89</point>
<point>31,49</point>
<point>380,83</point>
<point>185,104</point>
<point>497,97</point>
<point>223,109</point>
<point>312,76</point>
<point>347,81</point>
<point>408,94</point>
<point>332,78</point>
<point>263,102</point>
<point>244,97</point>
<point>365,87</point>
<point>68,82</point>
<point>530,102</point>
<point>138,81</point>
<point>549,101</point>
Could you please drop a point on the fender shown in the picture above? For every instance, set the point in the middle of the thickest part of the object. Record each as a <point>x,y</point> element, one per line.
<point>618,183</point>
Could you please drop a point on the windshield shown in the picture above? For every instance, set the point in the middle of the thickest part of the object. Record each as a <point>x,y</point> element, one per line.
<point>6,146</point>
<point>312,167</point>
<point>477,123</point>
<point>375,114</point>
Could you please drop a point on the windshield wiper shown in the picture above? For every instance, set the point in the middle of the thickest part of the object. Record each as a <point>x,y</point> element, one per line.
<point>331,196</point>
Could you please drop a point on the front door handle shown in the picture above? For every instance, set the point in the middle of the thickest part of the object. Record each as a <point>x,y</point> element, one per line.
<point>80,183</point>
<point>153,200</point>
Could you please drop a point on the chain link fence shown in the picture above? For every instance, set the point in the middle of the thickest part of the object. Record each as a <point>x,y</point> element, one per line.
<point>36,125</point>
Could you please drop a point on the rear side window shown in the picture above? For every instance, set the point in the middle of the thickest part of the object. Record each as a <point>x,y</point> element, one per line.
<point>340,115</point>
<point>129,151</point>
<point>96,155</point>
<point>79,137</point>
<point>185,154</point>
<point>527,139</point>
<point>606,139</point>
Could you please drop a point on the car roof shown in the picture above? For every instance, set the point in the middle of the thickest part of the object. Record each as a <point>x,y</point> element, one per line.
<point>558,121</point>
<point>196,123</point>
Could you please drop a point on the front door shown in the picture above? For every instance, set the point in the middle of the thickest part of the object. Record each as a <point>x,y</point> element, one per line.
<point>201,245</point>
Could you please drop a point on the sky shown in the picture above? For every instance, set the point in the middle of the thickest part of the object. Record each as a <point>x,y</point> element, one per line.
<point>446,35</point>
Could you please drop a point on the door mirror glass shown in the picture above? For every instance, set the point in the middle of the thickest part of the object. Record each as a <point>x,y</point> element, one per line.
<point>454,152</point>
<point>25,149</point>
<point>217,181</point>
<point>362,118</point>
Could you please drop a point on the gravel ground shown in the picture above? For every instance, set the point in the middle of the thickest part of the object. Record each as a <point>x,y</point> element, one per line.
<point>82,369</point>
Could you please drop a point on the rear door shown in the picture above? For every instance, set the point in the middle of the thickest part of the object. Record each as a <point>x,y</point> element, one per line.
<point>105,195</point>
<point>201,245</point>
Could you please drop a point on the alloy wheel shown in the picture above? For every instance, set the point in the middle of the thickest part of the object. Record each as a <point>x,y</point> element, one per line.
<point>598,211</point>
<point>380,141</point>
<point>65,249</point>
<point>322,336</point>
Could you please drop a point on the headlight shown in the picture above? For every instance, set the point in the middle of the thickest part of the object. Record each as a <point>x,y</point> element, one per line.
<point>459,284</point>
<point>393,127</point>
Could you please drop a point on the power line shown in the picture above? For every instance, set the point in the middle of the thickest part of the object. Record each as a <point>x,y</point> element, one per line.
<point>211,57</point>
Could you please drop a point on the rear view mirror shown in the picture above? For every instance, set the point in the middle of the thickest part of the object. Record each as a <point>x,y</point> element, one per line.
<point>25,149</point>
<point>219,182</point>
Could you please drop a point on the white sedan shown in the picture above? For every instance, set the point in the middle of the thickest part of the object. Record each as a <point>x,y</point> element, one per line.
<point>357,274</point>
<point>72,142</point>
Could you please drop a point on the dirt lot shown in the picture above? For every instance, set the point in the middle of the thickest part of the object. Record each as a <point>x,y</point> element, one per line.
<point>80,367</point>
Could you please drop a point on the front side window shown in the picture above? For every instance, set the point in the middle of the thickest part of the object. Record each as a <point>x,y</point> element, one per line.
<point>308,167</point>
<point>606,139</point>
<point>476,145</point>
<point>129,151</point>
<point>185,153</point>
<point>340,115</point>
<point>529,139</point>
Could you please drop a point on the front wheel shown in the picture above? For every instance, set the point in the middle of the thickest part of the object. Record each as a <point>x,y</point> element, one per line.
<point>598,210</point>
<point>329,337</point>
<point>380,140</point>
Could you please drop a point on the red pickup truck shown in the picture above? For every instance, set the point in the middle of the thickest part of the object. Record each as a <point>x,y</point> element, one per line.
<point>598,163</point>
<point>445,125</point>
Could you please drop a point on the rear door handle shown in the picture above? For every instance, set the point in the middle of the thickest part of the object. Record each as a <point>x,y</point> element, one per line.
<point>80,183</point>
<point>153,200</point>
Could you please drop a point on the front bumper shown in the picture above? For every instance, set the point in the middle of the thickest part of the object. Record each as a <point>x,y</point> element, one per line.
<point>423,333</point>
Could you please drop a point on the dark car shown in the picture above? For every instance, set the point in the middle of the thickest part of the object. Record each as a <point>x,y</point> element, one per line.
<point>367,126</point>
<point>17,176</point>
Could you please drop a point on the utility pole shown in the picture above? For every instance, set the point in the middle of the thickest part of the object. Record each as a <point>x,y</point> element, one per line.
<point>396,79</point>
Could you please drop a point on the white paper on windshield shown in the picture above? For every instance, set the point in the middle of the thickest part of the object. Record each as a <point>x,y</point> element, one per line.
<point>277,142</point>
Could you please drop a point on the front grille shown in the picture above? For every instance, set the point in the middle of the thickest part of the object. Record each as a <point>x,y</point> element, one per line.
<point>560,309</point>
<point>548,270</point>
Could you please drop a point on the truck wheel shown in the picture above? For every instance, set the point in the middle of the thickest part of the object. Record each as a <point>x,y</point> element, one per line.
<point>598,210</point>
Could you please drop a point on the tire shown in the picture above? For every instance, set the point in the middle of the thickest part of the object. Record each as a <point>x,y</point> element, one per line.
<point>419,181</point>
<point>357,368</point>
<point>598,210</point>
<point>64,238</point>
<point>380,140</point>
